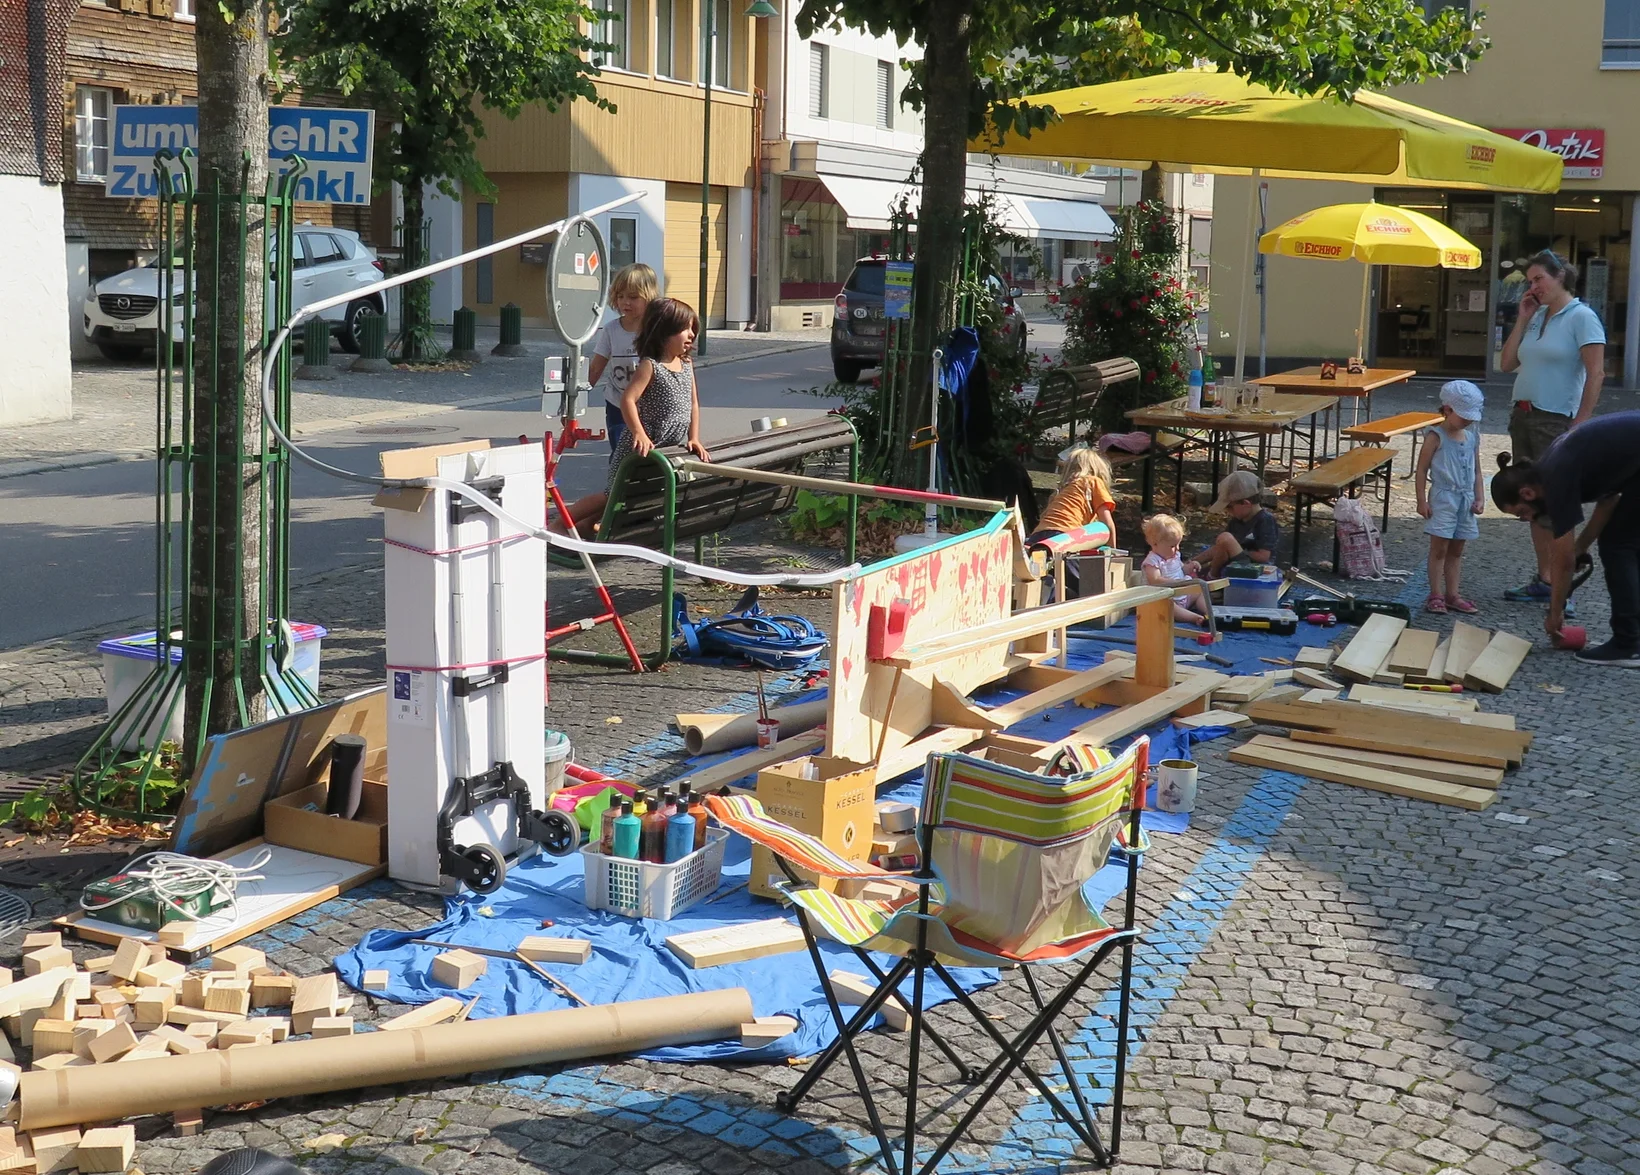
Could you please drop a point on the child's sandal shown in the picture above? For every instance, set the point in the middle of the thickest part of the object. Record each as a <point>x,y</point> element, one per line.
<point>1435,604</point>
<point>1459,604</point>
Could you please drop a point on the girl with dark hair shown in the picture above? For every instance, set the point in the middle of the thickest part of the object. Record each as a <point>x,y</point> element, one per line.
<point>660,405</point>
<point>1558,346</point>
<point>1596,462</point>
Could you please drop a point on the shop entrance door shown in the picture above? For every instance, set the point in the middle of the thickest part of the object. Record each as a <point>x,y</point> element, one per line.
<point>1438,320</point>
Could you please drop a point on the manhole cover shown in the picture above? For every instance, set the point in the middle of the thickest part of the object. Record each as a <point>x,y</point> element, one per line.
<point>15,911</point>
<point>400,430</point>
<point>56,868</point>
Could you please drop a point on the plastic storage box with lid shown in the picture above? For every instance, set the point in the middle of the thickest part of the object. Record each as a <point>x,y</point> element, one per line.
<point>128,660</point>
<point>1261,591</point>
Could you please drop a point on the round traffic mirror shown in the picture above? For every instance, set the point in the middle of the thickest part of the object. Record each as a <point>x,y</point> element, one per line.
<point>577,281</point>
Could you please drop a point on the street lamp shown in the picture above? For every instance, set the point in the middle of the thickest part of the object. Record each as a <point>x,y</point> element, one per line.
<point>761,10</point>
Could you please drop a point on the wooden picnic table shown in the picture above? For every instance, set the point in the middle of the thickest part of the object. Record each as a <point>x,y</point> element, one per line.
<point>1360,386</point>
<point>1382,432</point>
<point>1283,414</point>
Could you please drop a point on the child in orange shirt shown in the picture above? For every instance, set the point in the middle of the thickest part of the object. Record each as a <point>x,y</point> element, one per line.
<point>1083,497</point>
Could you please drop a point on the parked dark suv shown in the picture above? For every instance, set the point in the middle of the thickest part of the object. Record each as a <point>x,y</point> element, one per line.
<point>858,324</point>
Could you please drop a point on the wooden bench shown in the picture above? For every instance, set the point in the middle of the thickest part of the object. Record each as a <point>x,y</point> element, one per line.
<point>652,504</point>
<point>1382,432</point>
<point>1070,394</point>
<point>1344,474</point>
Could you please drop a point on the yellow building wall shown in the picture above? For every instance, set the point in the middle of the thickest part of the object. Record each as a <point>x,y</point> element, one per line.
<point>682,277</point>
<point>522,201</point>
<point>1542,71</point>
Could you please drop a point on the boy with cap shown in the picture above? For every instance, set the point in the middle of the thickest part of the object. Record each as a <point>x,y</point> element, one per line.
<point>1251,532</point>
<point>1451,491</point>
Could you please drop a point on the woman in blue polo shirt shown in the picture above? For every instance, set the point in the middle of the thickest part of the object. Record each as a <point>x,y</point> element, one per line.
<point>1558,348</point>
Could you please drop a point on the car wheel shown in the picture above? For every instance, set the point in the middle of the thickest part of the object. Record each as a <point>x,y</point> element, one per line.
<point>349,334</point>
<point>845,371</point>
<point>119,353</point>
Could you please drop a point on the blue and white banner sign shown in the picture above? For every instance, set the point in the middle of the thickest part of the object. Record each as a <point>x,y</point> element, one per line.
<point>335,144</point>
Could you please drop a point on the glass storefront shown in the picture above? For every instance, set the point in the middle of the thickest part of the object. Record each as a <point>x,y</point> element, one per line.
<point>817,248</point>
<point>1454,321</point>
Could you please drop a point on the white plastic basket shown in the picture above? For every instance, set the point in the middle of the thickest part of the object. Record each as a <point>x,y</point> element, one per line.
<point>643,889</point>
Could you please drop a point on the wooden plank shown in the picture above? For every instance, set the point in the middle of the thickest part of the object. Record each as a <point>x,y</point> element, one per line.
<point>1471,718</point>
<point>1413,650</point>
<point>1153,637</point>
<point>1066,689</point>
<point>1319,694</point>
<point>1363,656</point>
<point>1428,699</point>
<point>1464,773</point>
<point>444,1008</point>
<point>1365,719</point>
<point>766,1030</point>
<point>1497,664</point>
<point>1107,728</point>
<point>740,766</point>
<point>1313,657</point>
<point>1434,675</point>
<point>1312,679</point>
<point>1213,718</point>
<point>1238,691</point>
<point>545,949</point>
<point>1394,783</point>
<point>853,990</point>
<point>737,943</point>
<point>1024,624</point>
<point>1466,643</point>
<point>1418,749</point>
<point>913,754</point>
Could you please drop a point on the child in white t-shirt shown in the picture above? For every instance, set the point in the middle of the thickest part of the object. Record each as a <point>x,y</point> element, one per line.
<point>614,351</point>
<point>1163,567</point>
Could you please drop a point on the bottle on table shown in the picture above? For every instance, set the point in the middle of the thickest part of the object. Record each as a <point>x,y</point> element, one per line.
<point>628,833</point>
<point>654,832</point>
<point>1210,383</point>
<point>697,809</point>
<point>680,835</point>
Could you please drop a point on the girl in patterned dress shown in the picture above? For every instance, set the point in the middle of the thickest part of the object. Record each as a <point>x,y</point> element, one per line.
<point>660,405</point>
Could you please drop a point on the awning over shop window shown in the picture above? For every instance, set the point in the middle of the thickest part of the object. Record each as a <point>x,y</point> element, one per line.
<point>867,204</point>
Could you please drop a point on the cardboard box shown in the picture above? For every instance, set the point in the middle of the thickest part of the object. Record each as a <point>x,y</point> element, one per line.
<point>287,821</point>
<point>840,807</point>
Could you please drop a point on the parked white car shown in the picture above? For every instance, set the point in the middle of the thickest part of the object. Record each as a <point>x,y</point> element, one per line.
<point>122,314</point>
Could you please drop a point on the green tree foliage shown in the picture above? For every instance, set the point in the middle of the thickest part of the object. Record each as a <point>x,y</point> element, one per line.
<point>428,67</point>
<point>1135,306</point>
<point>983,58</point>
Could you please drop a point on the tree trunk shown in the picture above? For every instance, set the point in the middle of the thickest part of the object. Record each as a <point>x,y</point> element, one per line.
<point>417,343</point>
<point>1153,183</point>
<point>948,77</point>
<point>224,585</point>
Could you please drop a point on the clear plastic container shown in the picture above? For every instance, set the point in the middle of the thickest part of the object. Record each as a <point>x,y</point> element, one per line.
<point>642,889</point>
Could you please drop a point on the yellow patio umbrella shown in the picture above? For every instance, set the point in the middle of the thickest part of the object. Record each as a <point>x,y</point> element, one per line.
<point>1203,120</point>
<point>1373,234</point>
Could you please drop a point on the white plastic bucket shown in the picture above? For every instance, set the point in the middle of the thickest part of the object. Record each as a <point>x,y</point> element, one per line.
<point>1176,785</point>
<point>553,759</point>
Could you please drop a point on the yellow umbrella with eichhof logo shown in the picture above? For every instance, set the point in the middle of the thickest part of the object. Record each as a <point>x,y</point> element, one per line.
<point>1374,234</point>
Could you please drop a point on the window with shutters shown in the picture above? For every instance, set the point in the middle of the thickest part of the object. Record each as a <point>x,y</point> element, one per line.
<point>93,108</point>
<point>885,95</point>
<point>818,69</point>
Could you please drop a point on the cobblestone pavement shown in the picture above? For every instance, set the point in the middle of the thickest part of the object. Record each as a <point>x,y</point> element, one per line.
<point>1332,980</point>
<point>115,416</point>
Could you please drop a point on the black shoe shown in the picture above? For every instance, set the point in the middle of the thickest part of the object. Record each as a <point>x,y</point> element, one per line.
<point>1611,653</point>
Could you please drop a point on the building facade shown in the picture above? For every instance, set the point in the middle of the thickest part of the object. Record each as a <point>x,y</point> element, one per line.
<point>1561,75</point>
<point>839,152</point>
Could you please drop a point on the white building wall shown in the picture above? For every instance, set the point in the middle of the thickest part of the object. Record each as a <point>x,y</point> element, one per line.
<point>851,91</point>
<point>443,242</point>
<point>77,254</point>
<point>36,379</point>
<point>589,191</point>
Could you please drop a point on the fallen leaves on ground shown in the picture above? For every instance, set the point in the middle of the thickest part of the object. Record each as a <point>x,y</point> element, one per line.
<point>324,1142</point>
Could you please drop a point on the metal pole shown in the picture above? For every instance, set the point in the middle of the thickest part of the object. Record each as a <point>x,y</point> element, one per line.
<point>1263,277</point>
<point>706,177</point>
<point>1241,279</point>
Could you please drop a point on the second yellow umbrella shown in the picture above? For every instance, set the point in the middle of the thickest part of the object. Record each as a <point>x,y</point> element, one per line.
<point>1374,234</point>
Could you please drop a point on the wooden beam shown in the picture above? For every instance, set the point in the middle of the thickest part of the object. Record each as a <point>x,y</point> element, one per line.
<point>1356,716</point>
<point>1363,656</point>
<point>1465,773</point>
<point>1023,624</point>
<point>1153,645</point>
<point>1313,657</point>
<point>1416,748</point>
<point>1496,666</point>
<point>1394,783</point>
<point>1428,700</point>
<point>714,777</point>
<point>1107,728</point>
<point>1434,675</point>
<point>911,756</point>
<point>1311,679</point>
<point>1413,650</point>
<point>1064,690</point>
<point>950,708</point>
<point>825,485</point>
<point>1238,691</point>
<point>1466,643</point>
<point>1214,718</point>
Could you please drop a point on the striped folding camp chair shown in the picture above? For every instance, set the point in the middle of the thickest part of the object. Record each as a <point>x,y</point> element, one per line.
<point>1005,853</point>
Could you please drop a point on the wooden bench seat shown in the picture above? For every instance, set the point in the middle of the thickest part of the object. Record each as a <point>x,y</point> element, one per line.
<point>1067,396</point>
<point>1345,474</point>
<point>1381,432</point>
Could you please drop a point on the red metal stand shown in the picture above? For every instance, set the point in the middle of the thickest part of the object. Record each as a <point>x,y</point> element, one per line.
<point>571,433</point>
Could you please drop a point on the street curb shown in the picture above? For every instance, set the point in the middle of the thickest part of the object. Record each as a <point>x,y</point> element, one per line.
<point>329,424</point>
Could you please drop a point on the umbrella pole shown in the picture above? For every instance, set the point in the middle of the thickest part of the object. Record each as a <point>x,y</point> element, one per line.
<point>1361,331</point>
<point>1246,269</point>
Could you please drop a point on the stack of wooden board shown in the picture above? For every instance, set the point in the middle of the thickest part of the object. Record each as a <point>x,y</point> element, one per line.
<point>1424,756</point>
<point>1386,652</point>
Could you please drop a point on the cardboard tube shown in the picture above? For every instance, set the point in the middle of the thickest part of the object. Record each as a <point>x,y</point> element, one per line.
<point>705,734</point>
<point>97,1093</point>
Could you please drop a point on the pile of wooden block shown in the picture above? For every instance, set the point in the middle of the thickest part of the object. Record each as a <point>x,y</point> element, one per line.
<point>1433,754</point>
<point>1387,652</point>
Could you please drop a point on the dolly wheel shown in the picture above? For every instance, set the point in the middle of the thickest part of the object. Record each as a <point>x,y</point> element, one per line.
<point>489,869</point>
<point>559,834</point>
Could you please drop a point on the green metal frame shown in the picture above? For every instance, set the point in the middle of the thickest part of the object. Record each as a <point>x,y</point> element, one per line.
<point>668,546</point>
<point>179,466</point>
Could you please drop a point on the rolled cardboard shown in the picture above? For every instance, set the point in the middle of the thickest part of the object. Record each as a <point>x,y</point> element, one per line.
<point>706,734</point>
<point>101,1093</point>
